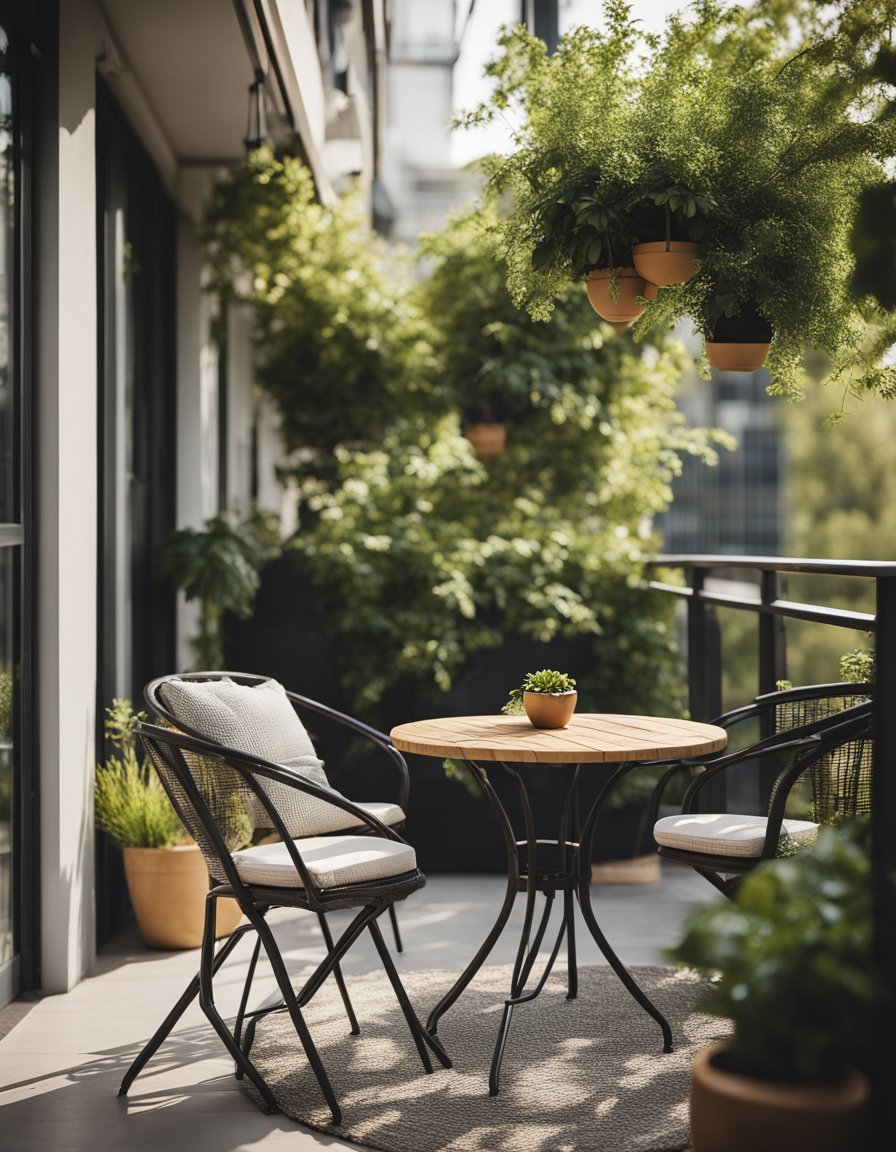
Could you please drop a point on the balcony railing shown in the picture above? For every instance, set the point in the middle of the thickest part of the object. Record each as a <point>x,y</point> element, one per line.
<point>705,655</point>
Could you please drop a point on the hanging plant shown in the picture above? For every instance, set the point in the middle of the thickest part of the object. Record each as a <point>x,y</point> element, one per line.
<point>722,148</point>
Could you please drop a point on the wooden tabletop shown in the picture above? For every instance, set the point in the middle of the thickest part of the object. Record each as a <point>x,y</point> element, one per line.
<point>589,738</point>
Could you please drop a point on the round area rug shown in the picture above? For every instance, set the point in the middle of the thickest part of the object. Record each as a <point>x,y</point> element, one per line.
<point>585,1075</point>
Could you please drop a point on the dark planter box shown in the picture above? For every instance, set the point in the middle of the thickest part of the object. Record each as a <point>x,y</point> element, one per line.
<point>452,829</point>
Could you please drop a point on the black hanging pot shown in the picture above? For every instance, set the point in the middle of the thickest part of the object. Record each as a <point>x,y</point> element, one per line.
<point>740,343</point>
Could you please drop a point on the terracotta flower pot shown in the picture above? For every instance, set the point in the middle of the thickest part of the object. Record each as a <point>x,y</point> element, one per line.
<point>736,357</point>
<point>622,310</point>
<point>661,262</point>
<point>550,709</point>
<point>734,1113</point>
<point>167,887</point>
<point>488,440</point>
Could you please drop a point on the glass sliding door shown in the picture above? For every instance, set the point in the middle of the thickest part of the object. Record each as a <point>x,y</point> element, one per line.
<point>18,915</point>
<point>136,310</point>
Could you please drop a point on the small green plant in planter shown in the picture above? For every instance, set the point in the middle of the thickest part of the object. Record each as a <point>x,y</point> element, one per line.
<point>130,803</point>
<point>547,697</point>
<point>166,874</point>
<point>218,566</point>
<point>792,955</point>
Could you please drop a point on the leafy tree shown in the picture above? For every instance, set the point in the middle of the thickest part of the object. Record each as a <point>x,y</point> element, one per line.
<point>426,554</point>
<point>340,349</point>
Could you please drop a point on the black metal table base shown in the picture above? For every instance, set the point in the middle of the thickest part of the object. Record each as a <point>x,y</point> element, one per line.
<point>570,876</point>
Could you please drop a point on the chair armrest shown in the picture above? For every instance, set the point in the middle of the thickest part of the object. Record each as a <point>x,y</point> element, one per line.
<point>252,767</point>
<point>713,768</point>
<point>373,735</point>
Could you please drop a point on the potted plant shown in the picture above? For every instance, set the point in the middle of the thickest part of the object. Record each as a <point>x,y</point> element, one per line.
<point>166,874</point>
<point>547,697</point>
<point>792,957</point>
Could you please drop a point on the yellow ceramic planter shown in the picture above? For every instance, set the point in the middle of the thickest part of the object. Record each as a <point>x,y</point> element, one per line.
<point>167,887</point>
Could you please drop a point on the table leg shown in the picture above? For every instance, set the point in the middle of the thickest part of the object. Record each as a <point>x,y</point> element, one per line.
<point>584,897</point>
<point>527,953</point>
<point>509,897</point>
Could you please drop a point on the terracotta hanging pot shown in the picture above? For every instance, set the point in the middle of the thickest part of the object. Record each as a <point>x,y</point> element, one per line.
<point>666,261</point>
<point>736,357</point>
<point>735,1113</point>
<point>740,343</point>
<point>550,709</point>
<point>167,887</point>
<point>488,440</point>
<point>624,309</point>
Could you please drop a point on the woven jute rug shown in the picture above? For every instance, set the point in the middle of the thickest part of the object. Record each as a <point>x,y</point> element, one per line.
<point>587,1075</point>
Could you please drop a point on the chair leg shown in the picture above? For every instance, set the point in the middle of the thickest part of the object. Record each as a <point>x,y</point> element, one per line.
<point>338,977</point>
<point>207,1002</point>
<point>393,917</point>
<point>295,1013</point>
<point>419,1033</point>
<point>189,995</point>
<point>247,985</point>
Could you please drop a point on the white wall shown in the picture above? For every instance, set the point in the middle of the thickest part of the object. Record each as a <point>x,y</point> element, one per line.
<point>67,486</point>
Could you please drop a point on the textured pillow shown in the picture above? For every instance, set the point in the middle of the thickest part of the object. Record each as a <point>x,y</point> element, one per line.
<point>260,720</point>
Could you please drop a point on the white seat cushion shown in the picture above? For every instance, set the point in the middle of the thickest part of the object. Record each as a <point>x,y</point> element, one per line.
<point>386,813</point>
<point>332,861</point>
<point>261,721</point>
<point>724,834</point>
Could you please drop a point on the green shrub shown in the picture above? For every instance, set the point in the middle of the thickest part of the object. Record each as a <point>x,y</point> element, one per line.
<point>130,803</point>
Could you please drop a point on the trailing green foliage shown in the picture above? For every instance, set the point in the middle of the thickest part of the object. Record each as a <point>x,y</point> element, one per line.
<point>218,566</point>
<point>340,348</point>
<point>758,147</point>
<point>130,803</point>
<point>421,554</point>
<point>794,957</point>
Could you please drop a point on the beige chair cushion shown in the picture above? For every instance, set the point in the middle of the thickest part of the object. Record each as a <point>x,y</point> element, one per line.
<point>724,834</point>
<point>332,861</point>
<point>386,813</point>
<point>260,720</point>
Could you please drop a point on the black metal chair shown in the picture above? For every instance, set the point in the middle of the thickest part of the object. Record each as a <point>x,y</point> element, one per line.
<point>171,699</point>
<point>218,794</point>
<point>814,751</point>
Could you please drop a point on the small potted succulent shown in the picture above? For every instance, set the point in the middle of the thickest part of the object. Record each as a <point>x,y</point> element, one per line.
<point>548,698</point>
<point>792,958</point>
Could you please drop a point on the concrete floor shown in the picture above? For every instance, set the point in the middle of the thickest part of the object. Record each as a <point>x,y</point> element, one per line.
<point>62,1057</point>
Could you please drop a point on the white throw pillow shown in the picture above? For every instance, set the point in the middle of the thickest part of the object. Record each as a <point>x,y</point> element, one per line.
<point>259,719</point>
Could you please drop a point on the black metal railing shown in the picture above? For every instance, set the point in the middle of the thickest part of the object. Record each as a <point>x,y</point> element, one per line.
<point>705,656</point>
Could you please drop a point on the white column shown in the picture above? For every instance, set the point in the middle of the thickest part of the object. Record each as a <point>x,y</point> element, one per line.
<point>67,487</point>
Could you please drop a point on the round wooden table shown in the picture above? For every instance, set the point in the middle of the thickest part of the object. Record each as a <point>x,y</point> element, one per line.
<point>589,738</point>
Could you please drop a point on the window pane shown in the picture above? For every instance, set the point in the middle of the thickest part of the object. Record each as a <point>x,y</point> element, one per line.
<point>8,557</point>
<point>8,510</point>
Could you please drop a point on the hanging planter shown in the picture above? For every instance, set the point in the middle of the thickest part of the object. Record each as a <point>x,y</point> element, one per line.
<point>664,262</point>
<point>624,309</point>
<point>488,440</point>
<point>740,343</point>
